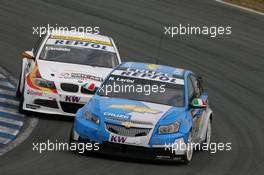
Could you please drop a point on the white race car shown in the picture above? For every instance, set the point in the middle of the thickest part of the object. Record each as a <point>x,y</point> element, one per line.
<point>63,71</point>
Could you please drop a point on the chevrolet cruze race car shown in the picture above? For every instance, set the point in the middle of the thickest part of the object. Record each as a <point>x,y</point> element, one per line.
<point>147,110</point>
<point>63,71</point>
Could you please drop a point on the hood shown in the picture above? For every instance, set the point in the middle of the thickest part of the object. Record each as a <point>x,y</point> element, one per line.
<point>144,112</point>
<point>72,73</point>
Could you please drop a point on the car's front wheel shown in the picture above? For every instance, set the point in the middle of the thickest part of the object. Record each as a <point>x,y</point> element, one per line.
<point>189,150</point>
<point>71,136</point>
<point>73,142</point>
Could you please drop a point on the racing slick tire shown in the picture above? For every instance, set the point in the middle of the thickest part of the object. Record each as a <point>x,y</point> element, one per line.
<point>18,93</point>
<point>71,136</point>
<point>207,139</point>
<point>21,101</point>
<point>187,157</point>
<point>78,150</point>
<point>208,132</point>
<point>71,141</point>
<point>208,135</point>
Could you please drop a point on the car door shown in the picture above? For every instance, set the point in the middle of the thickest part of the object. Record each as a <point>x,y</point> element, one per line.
<point>195,91</point>
<point>201,123</point>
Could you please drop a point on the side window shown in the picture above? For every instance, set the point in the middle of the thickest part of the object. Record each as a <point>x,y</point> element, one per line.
<point>201,87</point>
<point>190,89</point>
<point>37,45</point>
<point>196,86</point>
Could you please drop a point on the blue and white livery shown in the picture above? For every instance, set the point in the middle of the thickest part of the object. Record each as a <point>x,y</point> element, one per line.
<point>146,110</point>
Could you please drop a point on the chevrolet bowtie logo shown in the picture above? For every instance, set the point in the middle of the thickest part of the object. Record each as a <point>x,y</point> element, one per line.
<point>152,66</point>
<point>128,124</point>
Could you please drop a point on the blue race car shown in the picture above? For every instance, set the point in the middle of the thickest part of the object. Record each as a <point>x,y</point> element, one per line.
<point>146,110</point>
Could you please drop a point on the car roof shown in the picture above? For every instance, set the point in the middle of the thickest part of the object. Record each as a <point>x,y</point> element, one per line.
<point>81,35</point>
<point>154,67</point>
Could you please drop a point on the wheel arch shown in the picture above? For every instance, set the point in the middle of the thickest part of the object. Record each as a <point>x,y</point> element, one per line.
<point>207,118</point>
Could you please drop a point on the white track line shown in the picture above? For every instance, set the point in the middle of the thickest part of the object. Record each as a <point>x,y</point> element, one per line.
<point>10,111</point>
<point>5,140</point>
<point>11,121</point>
<point>9,101</point>
<point>240,7</point>
<point>32,123</point>
<point>7,92</point>
<point>7,130</point>
<point>2,76</point>
<point>7,84</point>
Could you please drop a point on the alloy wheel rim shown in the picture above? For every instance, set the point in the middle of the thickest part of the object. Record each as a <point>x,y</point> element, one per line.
<point>189,150</point>
<point>208,134</point>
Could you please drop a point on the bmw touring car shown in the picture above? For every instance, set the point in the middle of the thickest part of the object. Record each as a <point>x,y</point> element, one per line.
<point>163,123</point>
<point>62,72</point>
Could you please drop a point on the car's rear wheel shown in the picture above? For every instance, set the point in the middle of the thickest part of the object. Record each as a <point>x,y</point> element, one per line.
<point>208,133</point>
<point>18,93</point>
<point>207,139</point>
<point>189,150</point>
<point>21,102</point>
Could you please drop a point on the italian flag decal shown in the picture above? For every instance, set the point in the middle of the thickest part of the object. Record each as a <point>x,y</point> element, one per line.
<point>89,86</point>
<point>199,102</point>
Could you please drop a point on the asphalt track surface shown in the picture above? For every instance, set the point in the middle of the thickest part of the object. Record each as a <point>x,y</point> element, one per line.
<point>232,67</point>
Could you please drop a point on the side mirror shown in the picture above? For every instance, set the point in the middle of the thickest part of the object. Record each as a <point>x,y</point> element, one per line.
<point>198,103</point>
<point>28,55</point>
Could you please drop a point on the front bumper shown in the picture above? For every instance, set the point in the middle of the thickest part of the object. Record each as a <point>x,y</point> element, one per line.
<point>131,151</point>
<point>86,131</point>
<point>62,103</point>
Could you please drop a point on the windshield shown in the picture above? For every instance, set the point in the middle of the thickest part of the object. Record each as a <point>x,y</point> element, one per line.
<point>143,90</point>
<point>79,55</point>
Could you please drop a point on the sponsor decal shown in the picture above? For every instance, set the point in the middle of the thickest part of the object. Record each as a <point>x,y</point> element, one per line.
<point>121,116</point>
<point>85,76</point>
<point>80,76</point>
<point>199,114</point>
<point>52,98</point>
<point>152,66</point>
<point>30,92</point>
<point>199,102</point>
<point>134,108</point>
<point>162,157</point>
<point>58,49</point>
<point>149,75</point>
<point>89,86</point>
<point>81,44</point>
<point>74,38</point>
<point>36,74</point>
<point>125,80</point>
<point>118,139</point>
<point>30,106</point>
<point>65,75</point>
<point>72,99</point>
<point>178,72</point>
